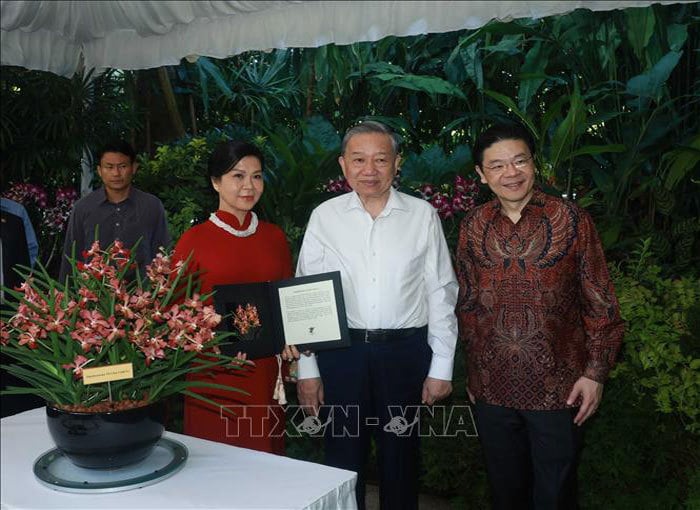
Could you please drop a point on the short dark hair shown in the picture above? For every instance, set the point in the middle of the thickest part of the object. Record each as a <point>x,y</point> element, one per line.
<point>497,133</point>
<point>121,146</point>
<point>370,126</point>
<point>227,154</point>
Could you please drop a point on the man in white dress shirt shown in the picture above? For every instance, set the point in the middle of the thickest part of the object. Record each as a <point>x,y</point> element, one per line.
<point>400,292</point>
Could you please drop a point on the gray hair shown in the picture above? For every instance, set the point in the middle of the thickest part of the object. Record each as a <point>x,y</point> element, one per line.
<point>370,126</point>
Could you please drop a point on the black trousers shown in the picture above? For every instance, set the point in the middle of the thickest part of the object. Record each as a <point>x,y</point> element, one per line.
<point>531,456</point>
<point>374,389</point>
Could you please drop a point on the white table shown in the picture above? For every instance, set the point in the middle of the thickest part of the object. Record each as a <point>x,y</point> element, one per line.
<point>214,476</point>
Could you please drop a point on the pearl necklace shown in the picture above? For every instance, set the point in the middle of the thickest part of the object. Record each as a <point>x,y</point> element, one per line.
<point>238,233</point>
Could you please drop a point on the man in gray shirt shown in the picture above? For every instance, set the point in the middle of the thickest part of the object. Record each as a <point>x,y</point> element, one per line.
<point>118,210</point>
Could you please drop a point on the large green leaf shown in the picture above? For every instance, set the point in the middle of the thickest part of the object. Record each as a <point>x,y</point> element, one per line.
<point>610,230</point>
<point>473,64</point>
<point>640,27</point>
<point>591,150</point>
<point>598,120</point>
<point>459,60</point>
<point>604,181</point>
<point>610,37</point>
<point>204,88</point>
<point>207,67</point>
<point>433,165</point>
<point>435,162</point>
<point>536,62</point>
<point>511,106</point>
<point>283,150</point>
<point>658,127</point>
<point>455,68</point>
<point>680,162</point>
<point>383,67</point>
<point>318,130</point>
<point>501,28</point>
<point>510,45</point>
<point>553,112</point>
<point>465,60</point>
<point>676,35</point>
<point>398,124</point>
<point>566,133</point>
<point>649,84</point>
<point>428,84</point>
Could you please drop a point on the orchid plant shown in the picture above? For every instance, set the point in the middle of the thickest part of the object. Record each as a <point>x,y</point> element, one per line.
<point>449,199</point>
<point>49,217</point>
<point>246,322</point>
<point>159,325</point>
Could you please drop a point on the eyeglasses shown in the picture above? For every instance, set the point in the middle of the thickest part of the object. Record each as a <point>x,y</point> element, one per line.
<point>518,163</point>
<point>121,167</point>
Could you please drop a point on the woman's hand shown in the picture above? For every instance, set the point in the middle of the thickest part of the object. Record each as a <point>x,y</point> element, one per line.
<point>290,353</point>
<point>241,360</point>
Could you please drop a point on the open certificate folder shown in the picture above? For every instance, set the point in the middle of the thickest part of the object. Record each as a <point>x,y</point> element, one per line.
<point>308,311</point>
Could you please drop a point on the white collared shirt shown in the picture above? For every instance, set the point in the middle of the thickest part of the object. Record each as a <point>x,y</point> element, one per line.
<point>396,270</point>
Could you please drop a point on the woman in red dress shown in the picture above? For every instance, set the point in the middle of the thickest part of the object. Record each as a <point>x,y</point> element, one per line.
<point>234,247</point>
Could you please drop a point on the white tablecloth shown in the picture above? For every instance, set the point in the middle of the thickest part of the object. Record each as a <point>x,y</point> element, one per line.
<point>214,476</point>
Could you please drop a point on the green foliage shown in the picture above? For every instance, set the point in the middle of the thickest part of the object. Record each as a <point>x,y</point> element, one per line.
<point>245,89</point>
<point>657,311</point>
<point>433,165</point>
<point>639,27</point>
<point>428,84</point>
<point>649,85</point>
<point>607,99</point>
<point>44,136</point>
<point>642,448</point>
<point>680,162</point>
<point>178,175</point>
<point>300,161</point>
<point>635,457</point>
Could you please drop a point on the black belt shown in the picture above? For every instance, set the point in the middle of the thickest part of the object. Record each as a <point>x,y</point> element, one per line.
<point>360,336</point>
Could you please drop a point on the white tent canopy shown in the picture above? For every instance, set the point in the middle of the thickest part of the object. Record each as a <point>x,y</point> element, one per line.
<point>62,36</point>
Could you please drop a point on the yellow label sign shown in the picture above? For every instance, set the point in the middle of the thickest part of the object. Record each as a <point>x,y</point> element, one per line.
<point>108,373</point>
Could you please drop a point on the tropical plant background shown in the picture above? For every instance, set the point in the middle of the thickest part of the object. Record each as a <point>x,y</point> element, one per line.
<point>613,99</point>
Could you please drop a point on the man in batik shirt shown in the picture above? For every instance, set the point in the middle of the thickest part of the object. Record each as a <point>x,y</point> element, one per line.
<point>541,324</point>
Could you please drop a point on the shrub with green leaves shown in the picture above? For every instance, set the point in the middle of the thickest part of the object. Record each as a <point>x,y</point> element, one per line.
<point>178,176</point>
<point>660,347</point>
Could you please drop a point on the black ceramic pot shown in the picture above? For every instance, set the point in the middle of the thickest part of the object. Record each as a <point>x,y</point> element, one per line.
<point>106,440</point>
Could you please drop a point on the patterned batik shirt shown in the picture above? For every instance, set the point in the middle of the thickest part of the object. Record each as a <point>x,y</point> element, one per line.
<point>536,309</point>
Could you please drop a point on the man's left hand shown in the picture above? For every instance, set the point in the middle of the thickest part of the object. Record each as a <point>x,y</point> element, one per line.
<point>435,389</point>
<point>591,393</point>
